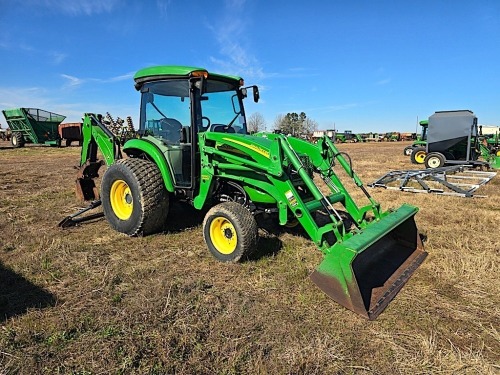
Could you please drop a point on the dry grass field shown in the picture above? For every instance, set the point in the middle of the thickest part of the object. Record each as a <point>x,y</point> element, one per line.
<point>88,300</point>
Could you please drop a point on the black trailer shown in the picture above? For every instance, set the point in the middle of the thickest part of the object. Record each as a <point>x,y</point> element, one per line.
<point>452,139</point>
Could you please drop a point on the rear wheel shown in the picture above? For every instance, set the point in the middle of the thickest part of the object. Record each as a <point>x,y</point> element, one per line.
<point>230,232</point>
<point>434,160</point>
<point>418,155</point>
<point>134,198</point>
<point>17,140</point>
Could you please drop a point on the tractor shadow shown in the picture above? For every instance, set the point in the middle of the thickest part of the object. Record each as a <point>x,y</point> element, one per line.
<point>18,295</point>
<point>182,216</point>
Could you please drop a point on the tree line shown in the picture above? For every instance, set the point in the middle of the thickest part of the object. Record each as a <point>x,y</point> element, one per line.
<point>294,124</point>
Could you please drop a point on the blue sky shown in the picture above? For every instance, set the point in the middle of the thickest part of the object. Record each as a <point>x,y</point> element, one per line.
<point>358,65</point>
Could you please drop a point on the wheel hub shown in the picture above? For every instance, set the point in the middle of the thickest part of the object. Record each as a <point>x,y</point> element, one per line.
<point>121,200</point>
<point>223,235</point>
<point>228,233</point>
<point>128,199</point>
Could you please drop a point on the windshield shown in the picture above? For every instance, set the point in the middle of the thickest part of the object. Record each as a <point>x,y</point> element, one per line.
<point>221,110</point>
<point>166,109</point>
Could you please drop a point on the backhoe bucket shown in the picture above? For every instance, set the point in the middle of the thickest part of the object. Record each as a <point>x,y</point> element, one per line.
<point>86,189</point>
<point>365,272</point>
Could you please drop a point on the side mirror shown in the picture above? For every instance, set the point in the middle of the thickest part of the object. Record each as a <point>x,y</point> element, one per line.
<point>256,95</point>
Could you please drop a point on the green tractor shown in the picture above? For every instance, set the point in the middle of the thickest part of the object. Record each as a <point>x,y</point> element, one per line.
<point>193,146</point>
<point>419,145</point>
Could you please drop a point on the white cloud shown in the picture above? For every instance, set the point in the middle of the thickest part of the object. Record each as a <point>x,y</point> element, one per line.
<point>230,33</point>
<point>163,6</point>
<point>383,81</point>
<point>72,81</point>
<point>85,7</point>
<point>50,100</point>
<point>74,7</point>
<point>57,57</point>
<point>122,77</point>
<point>13,97</point>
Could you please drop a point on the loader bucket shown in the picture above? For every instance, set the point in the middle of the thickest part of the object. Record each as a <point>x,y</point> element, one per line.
<point>365,272</point>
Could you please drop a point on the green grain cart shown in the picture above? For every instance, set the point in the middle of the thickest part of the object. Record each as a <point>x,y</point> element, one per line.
<point>33,125</point>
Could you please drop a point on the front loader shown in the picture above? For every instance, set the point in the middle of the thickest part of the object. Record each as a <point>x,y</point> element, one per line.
<point>193,145</point>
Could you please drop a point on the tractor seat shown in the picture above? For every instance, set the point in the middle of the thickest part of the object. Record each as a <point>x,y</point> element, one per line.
<point>171,129</point>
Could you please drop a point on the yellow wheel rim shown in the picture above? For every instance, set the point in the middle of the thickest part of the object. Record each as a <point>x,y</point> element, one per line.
<point>223,235</point>
<point>420,157</point>
<point>121,200</point>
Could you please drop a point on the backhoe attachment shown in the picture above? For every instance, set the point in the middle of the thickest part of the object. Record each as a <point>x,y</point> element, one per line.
<point>96,135</point>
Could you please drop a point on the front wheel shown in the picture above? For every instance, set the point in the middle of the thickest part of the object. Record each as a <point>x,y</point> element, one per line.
<point>17,140</point>
<point>134,198</point>
<point>434,160</point>
<point>408,150</point>
<point>230,231</point>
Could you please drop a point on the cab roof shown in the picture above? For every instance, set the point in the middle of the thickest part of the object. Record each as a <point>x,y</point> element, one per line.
<point>154,73</point>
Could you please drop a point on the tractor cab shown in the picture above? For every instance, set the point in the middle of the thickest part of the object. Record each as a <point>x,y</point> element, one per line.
<point>178,104</point>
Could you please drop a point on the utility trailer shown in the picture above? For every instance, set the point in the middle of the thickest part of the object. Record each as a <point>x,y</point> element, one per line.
<point>33,125</point>
<point>453,139</point>
<point>71,132</point>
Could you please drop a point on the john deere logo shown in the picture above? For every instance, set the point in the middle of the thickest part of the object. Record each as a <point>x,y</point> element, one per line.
<point>255,148</point>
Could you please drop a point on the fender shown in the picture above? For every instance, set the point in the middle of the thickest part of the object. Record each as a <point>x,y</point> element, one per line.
<point>142,146</point>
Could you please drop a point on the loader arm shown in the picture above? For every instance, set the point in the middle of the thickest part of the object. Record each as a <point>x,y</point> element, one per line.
<point>368,254</point>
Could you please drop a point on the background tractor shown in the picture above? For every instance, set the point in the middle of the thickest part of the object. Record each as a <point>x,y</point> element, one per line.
<point>419,145</point>
<point>192,146</point>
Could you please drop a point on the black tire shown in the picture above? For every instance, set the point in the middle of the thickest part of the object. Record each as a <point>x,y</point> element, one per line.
<point>17,140</point>
<point>434,160</point>
<point>134,198</point>
<point>408,150</point>
<point>418,155</point>
<point>230,231</point>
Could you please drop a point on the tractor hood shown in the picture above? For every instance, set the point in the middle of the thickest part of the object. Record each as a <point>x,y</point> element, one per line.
<point>256,148</point>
